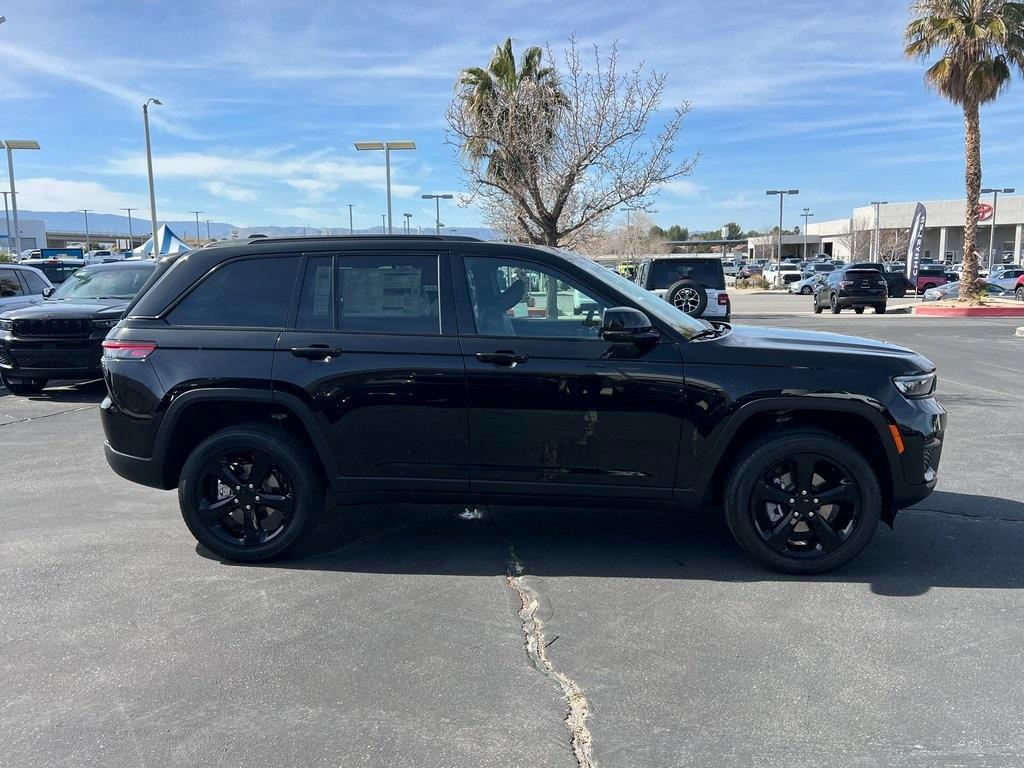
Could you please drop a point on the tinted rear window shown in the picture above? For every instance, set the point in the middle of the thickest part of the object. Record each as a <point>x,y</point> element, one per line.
<point>249,293</point>
<point>707,273</point>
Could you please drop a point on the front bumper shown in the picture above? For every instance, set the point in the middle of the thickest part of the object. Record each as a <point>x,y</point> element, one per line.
<point>51,358</point>
<point>922,427</point>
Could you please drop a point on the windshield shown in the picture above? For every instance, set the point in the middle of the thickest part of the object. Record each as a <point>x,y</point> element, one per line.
<point>104,283</point>
<point>649,302</point>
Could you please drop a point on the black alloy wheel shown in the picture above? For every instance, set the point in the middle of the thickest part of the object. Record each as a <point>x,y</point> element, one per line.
<point>249,493</point>
<point>802,501</point>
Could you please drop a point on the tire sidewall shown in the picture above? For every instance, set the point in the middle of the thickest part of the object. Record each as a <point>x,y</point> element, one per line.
<point>760,459</point>
<point>305,489</point>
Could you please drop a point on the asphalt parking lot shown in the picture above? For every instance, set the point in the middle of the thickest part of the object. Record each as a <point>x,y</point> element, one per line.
<point>395,637</point>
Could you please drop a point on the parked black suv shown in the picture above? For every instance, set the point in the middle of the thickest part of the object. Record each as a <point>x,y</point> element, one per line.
<point>60,337</point>
<point>254,376</point>
<point>854,287</point>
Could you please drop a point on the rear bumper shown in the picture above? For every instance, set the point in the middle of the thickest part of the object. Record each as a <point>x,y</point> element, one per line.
<point>135,468</point>
<point>861,300</point>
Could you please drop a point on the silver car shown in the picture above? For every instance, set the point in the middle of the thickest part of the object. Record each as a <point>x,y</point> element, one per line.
<point>21,286</point>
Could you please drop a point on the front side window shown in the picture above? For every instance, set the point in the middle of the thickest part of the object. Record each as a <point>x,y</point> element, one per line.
<point>248,293</point>
<point>36,284</point>
<point>516,298</point>
<point>9,285</point>
<point>381,294</point>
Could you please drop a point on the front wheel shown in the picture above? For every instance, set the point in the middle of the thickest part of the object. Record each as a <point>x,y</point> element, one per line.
<point>859,310</point>
<point>1019,293</point>
<point>833,305</point>
<point>879,309</point>
<point>816,307</point>
<point>250,493</point>
<point>806,290</point>
<point>23,387</point>
<point>802,501</point>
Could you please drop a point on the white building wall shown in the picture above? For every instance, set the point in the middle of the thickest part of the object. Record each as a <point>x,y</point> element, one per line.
<point>33,233</point>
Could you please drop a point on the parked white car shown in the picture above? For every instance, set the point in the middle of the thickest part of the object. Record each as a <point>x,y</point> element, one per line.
<point>784,273</point>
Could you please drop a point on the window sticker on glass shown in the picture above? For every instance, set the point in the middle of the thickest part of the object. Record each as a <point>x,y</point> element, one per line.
<point>322,292</point>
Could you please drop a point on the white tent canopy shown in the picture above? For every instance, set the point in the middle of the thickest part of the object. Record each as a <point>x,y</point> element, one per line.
<point>169,243</point>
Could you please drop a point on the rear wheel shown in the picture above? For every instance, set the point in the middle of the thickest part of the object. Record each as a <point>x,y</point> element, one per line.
<point>833,305</point>
<point>21,386</point>
<point>1019,293</point>
<point>816,307</point>
<point>859,310</point>
<point>802,501</point>
<point>250,493</point>
<point>806,290</point>
<point>879,309</point>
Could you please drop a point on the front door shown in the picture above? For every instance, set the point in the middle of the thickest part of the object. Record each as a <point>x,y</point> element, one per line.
<point>554,409</point>
<point>374,354</point>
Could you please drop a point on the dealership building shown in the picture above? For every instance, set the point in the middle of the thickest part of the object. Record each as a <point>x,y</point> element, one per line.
<point>943,234</point>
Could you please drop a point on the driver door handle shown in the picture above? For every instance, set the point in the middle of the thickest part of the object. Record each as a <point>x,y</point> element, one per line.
<point>503,357</point>
<point>317,352</point>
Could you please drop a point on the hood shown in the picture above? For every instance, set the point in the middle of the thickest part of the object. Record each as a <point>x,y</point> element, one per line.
<point>69,309</point>
<point>784,347</point>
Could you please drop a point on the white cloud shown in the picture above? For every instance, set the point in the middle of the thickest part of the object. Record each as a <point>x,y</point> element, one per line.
<point>49,194</point>
<point>316,175</point>
<point>230,191</point>
<point>683,188</point>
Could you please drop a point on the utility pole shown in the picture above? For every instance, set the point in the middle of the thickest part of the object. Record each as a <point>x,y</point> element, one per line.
<point>806,214</point>
<point>199,237</point>
<point>350,230</point>
<point>131,239</point>
<point>782,196</point>
<point>992,227</point>
<point>876,242</point>
<point>86,212</point>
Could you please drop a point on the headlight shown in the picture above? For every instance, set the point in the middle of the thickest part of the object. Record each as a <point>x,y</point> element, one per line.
<point>105,323</point>
<point>6,325</point>
<point>917,385</point>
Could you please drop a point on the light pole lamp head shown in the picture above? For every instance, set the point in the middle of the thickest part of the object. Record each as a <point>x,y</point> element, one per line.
<point>20,144</point>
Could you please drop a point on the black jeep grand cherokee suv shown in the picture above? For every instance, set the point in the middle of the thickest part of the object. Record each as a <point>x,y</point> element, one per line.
<point>255,376</point>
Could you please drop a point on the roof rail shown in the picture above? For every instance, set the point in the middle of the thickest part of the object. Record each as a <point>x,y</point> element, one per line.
<point>324,238</point>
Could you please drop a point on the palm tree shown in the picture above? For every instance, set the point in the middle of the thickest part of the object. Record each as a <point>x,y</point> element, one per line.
<point>981,41</point>
<point>492,94</point>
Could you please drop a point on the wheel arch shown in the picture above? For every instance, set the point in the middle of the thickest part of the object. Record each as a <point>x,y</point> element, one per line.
<point>194,415</point>
<point>861,424</point>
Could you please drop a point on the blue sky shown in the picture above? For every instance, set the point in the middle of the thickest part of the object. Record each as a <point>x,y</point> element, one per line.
<point>262,101</point>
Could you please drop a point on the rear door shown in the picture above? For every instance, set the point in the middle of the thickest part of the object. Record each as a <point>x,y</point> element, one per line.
<point>372,351</point>
<point>553,408</point>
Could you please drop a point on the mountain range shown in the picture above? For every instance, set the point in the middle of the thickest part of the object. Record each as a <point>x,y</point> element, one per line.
<point>101,224</point>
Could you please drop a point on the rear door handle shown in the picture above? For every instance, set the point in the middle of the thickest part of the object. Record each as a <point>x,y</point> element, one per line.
<point>318,352</point>
<point>504,357</point>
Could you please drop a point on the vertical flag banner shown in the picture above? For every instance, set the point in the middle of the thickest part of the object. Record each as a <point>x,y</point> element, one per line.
<point>915,242</point>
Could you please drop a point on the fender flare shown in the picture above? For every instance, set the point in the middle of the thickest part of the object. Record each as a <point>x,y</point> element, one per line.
<point>869,409</point>
<point>172,416</point>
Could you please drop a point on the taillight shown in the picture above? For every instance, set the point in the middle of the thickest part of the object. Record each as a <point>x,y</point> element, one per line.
<point>127,350</point>
<point>845,283</point>
<point>723,298</point>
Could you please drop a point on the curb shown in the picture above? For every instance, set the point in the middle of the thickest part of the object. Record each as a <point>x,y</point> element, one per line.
<point>969,311</point>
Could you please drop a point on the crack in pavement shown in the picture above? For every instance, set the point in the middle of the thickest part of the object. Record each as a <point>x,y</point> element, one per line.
<point>47,415</point>
<point>535,644</point>
<point>965,515</point>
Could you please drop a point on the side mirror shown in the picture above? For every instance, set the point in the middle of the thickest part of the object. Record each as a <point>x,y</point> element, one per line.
<point>627,325</point>
<point>49,291</point>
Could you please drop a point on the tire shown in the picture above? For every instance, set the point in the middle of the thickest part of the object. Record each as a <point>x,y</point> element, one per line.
<point>688,296</point>
<point>1019,293</point>
<point>806,290</point>
<point>795,551</point>
<point>879,309</point>
<point>25,387</point>
<point>833,305</point>
<point>291,470</point>
<point>816,307</point>
<point>859,310</point>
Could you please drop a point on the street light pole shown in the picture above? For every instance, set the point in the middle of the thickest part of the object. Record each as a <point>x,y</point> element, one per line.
<point>208,238</point>
<point>876,243</point>
<point>387,146</point>
<point>16,144</point>
<point>408,228</point>
<point>86,212</point>
<point>806,214</point>
<point>384,224</point>
<point>131,239</point>
<point>437,209</point>
<point>782,194</point>
<point>7,218</point>
<point>149,165</point>
<point>350,230</point>
<point>199,237</point>
<point>992,227</point>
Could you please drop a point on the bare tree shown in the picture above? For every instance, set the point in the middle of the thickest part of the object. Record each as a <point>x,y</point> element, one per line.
<point>550,164</point>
